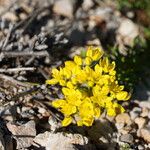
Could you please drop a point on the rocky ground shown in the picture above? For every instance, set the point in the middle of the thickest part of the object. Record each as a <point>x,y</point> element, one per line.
<point>36,35</point>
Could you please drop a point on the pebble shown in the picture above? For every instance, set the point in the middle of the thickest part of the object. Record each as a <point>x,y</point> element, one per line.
<point>123,118</point>
<point>119,125</point>
<point>135,112</point>
<point>60,140</point>
<point>145,134</point>
<point>140,147</point>
<point>23,134</point>
<point>64,7</point>
<point>130,14</point>
<point>131,31</point>
<point>145,112</point>
<point>145,104</point>
<point>126,33</point>
<point>41,110</point>
<point>140,122</point>
<point>128,138</point>
<point>10,16</point>
<point>87,4</point>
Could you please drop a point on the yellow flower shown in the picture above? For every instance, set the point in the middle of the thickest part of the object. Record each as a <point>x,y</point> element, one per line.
<point>107,67</point>
<point>57,77</point>
<point>89,86</point>
<point>94,53</point>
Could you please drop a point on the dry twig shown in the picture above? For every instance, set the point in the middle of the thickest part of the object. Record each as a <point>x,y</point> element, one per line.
<point>16,69</point>
<point>13,81</point>
<point>24,54</point>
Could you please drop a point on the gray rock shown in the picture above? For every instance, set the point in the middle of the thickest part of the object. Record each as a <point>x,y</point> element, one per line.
<point>140,147</point>
<point>145,112</point>
<point>123,118</point>
<point>64,7</point>
<point>59,141</point>
<point>126,33</point>
<point>87,4</point>
<point>140,121</point>
<point>128,138</point>
<point>145,134</point>
<point>23,134</point>
<point>145,104</point>
<point>135,112</point>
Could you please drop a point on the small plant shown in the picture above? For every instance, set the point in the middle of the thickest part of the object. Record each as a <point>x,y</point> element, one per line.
<point>89,86</point>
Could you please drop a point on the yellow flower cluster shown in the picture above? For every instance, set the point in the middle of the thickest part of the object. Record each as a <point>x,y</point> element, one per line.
<point>89,86</point>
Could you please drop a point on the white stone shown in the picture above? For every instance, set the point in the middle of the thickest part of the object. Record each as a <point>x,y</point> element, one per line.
<point>57,141</point>
<point>64,7</point>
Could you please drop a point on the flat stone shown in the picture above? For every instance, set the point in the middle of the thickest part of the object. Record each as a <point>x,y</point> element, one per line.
<point>55,141</point>
<point>123,118</point>
<point>145,104</point>
<point>145,134</point>
<point>140,147</point>
<point>23,134</point>
<point>128,138</point>
<point>145,112</point>
<point>135,112</point>
<point>87,4</point>
<point>140,121</point>
<point>10,16</point>
<point>128,30</point>
<point>64,7</point>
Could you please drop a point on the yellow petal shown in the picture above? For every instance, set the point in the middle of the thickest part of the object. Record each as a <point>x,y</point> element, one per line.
<point>58,103</point>
<point>123,95</point>
<point>70,85</point>
<point>78,60</point>
<point>98,69</point>
<point>52,81</point>
<point>97,112</point>
<point>55,71</point>
<point>95,53</point>
<point>118,108</point>
<point>70,64</point>
<point>67,73</point>
<point>111,112</point>
<point>62,82</point>
<point>88,121</point>
<point>79,123</point>
<point>66,121</point>
<point>88,60</point>
<point>66,91</point>
<point>68,109</point>
<point>89,52</point>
